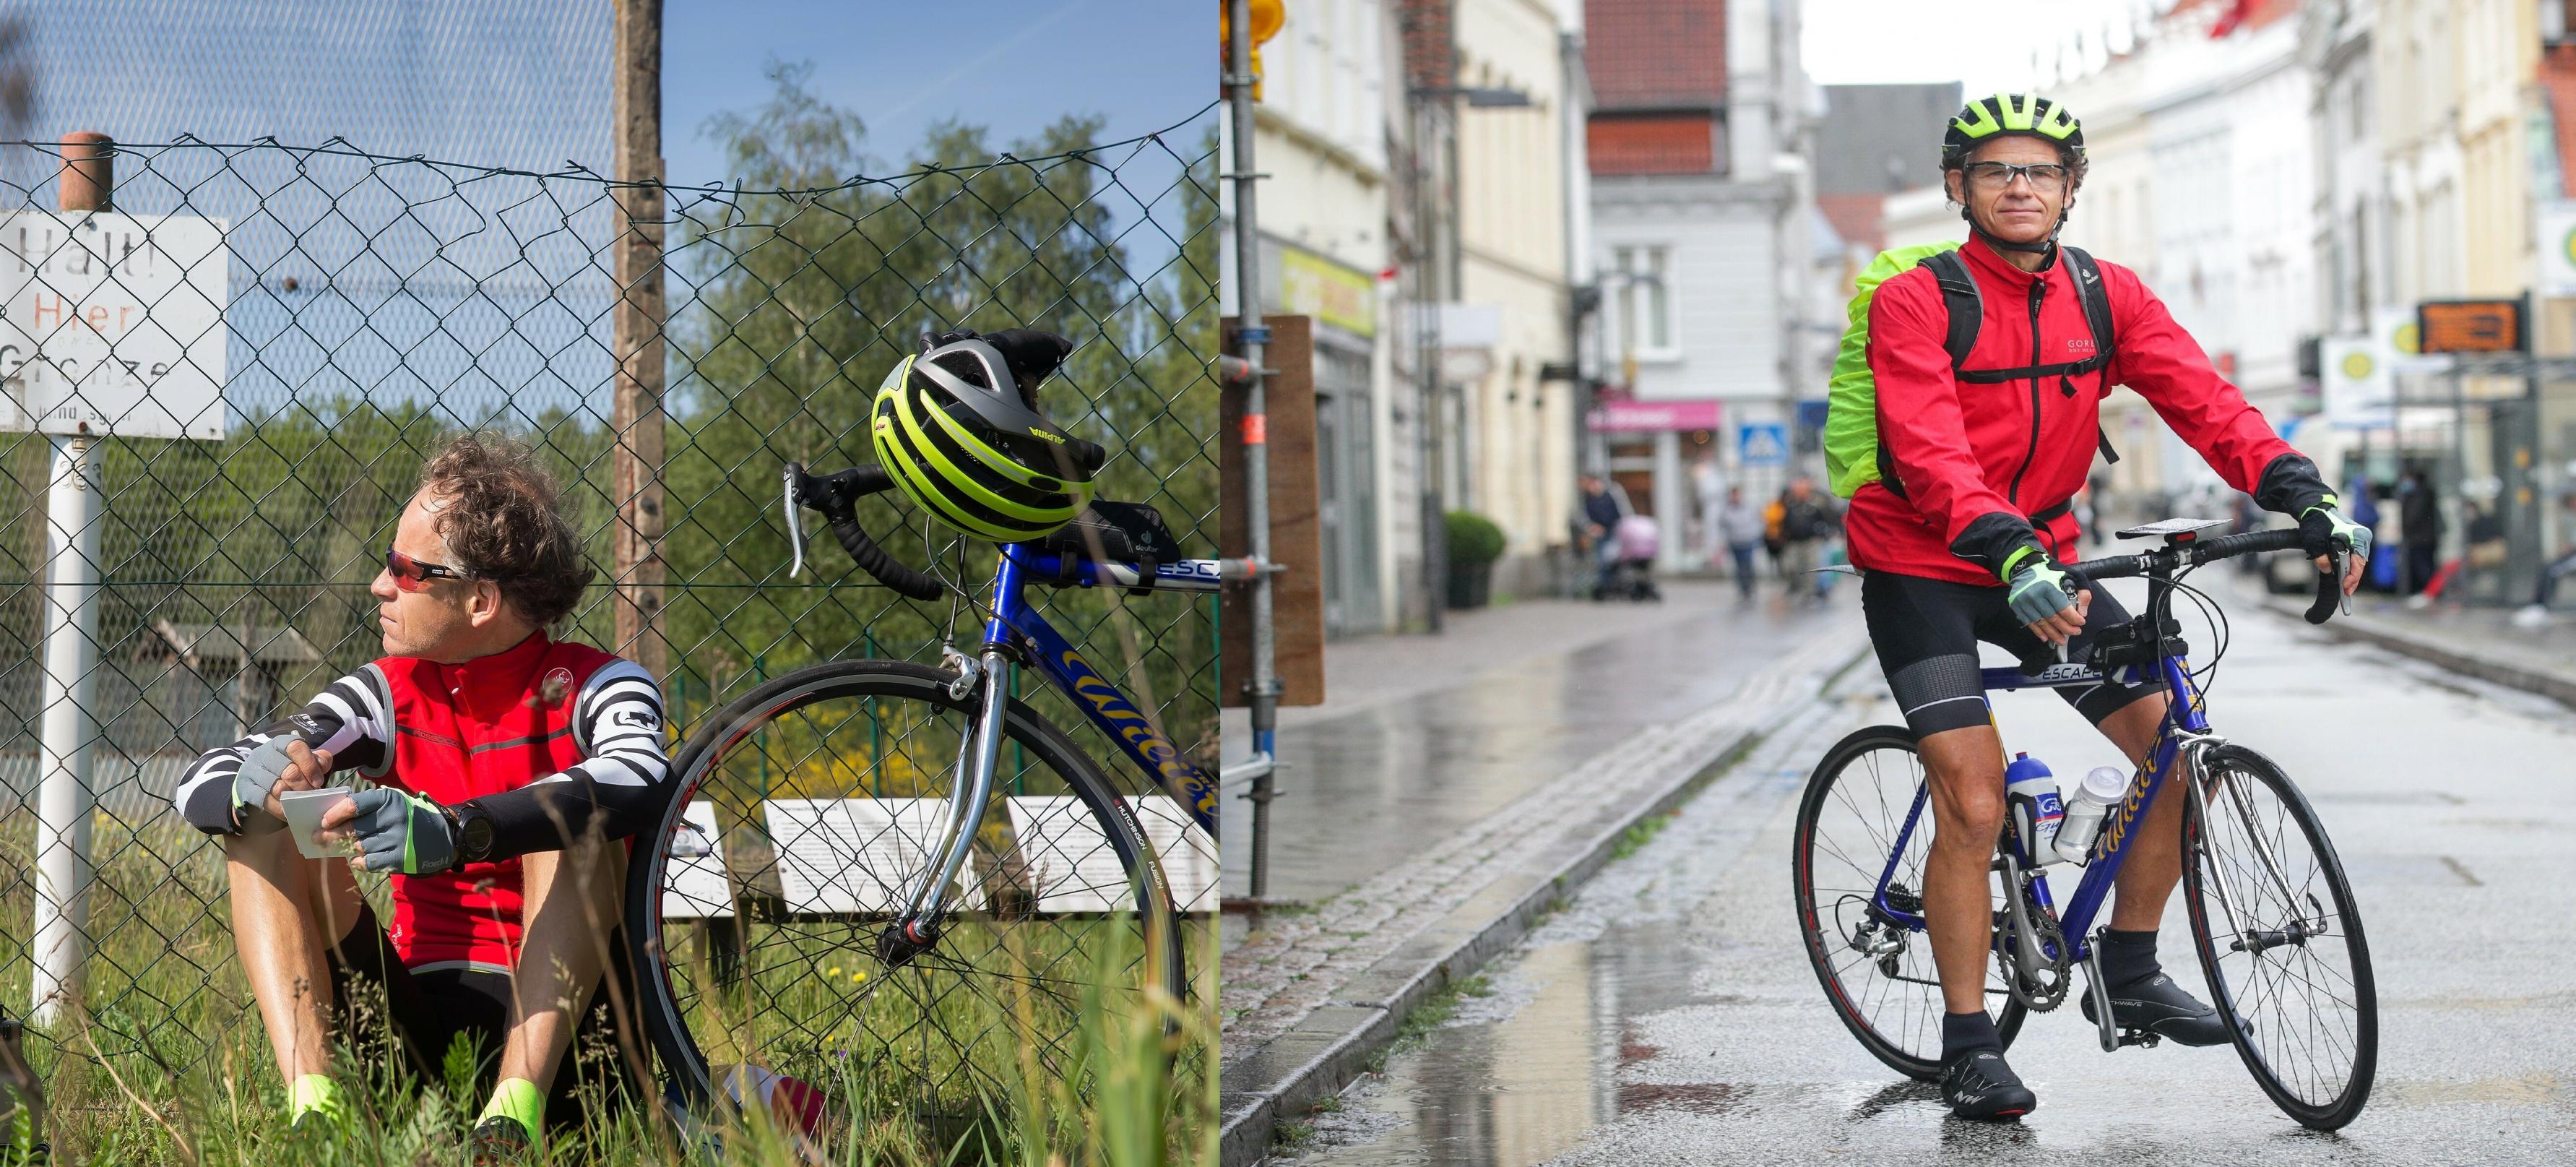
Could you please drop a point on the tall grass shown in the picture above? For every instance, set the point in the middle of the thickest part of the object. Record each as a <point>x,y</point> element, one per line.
<point>197,1084</point>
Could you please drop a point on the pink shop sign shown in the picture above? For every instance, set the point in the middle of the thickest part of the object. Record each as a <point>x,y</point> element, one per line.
<point>1654,416</point>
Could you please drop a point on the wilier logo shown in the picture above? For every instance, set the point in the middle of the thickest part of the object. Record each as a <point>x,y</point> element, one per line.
<point>642,719</point>
<point>307,726</point>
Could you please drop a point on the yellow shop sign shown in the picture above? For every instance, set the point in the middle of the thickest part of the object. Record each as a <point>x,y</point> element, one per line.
<point>1310,285</point>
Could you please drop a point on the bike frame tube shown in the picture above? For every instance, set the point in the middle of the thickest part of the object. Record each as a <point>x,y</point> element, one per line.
<point>1015,624</point>
<point>2183,715</point>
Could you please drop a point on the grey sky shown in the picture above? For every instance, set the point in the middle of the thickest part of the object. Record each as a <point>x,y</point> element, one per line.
<point>1981,43</point>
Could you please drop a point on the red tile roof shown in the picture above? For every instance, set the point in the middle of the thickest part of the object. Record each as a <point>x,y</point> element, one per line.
<point>1655,52</point>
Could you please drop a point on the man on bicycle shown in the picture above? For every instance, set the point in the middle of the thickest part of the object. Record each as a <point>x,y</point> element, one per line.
<point>505,763</point>
<point>1968,535</point>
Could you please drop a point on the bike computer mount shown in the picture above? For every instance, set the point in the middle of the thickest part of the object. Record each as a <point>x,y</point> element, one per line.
<point>2172,530</point>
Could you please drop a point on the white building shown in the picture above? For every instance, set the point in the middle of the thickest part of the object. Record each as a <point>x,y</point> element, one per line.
<point>1704,235</point>
<point>1508,425</point>
<point>1332,82</point>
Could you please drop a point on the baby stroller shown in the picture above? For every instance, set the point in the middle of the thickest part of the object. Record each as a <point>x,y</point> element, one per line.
<point>1638,539</point>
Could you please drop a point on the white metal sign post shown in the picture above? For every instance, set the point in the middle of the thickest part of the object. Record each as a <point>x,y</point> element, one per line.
<point>110,326</point>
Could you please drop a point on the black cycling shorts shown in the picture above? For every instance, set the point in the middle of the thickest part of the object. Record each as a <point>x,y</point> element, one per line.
<point>428,1009</point>
<point>1926,633</point>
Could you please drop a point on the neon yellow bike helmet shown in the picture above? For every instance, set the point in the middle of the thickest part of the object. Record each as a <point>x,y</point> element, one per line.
<point>960,433</point>
<point>2006,115</point>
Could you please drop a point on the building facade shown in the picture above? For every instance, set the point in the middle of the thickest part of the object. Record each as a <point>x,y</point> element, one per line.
<point>1705,232</point>
<point>1331,88</point>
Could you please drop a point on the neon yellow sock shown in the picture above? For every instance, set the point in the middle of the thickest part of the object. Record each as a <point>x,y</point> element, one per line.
<point>518,1099</point>
<point>315,1093</point>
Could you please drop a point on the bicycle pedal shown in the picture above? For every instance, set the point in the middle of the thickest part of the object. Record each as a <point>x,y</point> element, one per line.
<point>2139,1037</point>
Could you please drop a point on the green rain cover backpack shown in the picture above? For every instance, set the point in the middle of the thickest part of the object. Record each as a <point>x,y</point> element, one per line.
<point>1853,457</point>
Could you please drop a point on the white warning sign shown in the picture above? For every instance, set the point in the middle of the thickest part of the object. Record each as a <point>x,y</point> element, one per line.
<point>113,324</point>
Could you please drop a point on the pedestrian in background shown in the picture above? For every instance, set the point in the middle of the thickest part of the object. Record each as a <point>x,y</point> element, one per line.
<point>1739,530</point>
<point>1806,522</point>
<point>2537,612</point>
<point>1598,513</point>
<point>1708,489</point>
<point>2419,517</point>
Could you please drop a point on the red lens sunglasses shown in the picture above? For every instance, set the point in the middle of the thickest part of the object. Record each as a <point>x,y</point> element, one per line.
<point>412,575</point>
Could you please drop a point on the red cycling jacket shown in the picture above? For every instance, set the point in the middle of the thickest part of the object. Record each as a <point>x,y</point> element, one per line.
<point>546,737</point>
<point>1977,460</point>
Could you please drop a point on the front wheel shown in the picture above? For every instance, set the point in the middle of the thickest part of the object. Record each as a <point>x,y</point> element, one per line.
<point>1877,972</point>
<point>804,816</point>
<point>2274,922</point>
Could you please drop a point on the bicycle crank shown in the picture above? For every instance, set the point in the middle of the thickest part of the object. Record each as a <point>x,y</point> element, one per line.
<point>2030,945</point>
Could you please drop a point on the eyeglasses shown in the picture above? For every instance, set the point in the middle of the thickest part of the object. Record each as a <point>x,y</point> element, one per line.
<point>2045,177</point>
<point>412,575</point>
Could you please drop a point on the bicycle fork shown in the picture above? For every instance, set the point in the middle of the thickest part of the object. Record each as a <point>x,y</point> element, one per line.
<point>978,757</point>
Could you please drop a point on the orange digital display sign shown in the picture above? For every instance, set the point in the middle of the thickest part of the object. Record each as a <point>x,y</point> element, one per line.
<point>2470,326</point>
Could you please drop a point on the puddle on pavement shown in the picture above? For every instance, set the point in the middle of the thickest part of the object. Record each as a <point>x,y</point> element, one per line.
<point>1521,1074</point>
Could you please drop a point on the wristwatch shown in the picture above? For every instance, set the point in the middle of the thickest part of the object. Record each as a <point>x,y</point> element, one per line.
<point>472,827</point>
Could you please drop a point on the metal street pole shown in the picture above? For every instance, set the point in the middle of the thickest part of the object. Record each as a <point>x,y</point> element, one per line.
<point>1426,336</point>
<point>1253,337</point>
<point>64,798</point>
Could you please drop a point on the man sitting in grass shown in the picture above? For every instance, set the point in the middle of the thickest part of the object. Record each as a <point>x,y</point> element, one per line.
<point>502,763</point>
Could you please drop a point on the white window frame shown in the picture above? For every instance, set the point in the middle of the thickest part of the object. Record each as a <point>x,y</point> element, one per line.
<point>1625,263</point>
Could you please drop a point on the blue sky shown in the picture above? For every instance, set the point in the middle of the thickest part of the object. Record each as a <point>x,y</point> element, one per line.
<point>1013,66</point>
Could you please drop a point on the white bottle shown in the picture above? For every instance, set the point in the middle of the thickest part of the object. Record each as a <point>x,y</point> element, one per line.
<point>2085,811</point>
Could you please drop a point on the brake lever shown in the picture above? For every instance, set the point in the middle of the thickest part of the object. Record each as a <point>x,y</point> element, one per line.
<point>795,520</point>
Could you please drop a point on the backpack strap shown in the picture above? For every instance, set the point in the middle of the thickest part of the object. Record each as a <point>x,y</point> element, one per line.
<point>2095,297</point>
<point>1965,306</point>
<point>1963,301</point>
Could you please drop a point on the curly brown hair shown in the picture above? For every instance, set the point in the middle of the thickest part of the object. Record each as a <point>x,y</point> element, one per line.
<point>501,517</point>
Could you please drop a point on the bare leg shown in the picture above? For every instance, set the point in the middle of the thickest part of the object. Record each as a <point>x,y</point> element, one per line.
<point>2150,868</point>
<point>572,905</point>
<point>287,910</point>
<point>1966,767</point>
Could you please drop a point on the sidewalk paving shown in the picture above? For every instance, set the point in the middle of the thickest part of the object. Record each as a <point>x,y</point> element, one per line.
<point>2479,642</point>
<point>1420,736</point>
<point>1456,788</point>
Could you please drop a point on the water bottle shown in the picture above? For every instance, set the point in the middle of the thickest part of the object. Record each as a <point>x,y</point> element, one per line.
<point>2030,801</point>
<point>2085,811</point>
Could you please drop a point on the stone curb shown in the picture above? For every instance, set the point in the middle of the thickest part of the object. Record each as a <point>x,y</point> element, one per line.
<point>1326,1050</point>
<point>2557,685</point>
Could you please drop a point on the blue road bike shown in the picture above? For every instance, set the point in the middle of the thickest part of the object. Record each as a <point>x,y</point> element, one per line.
<point>906,878</point>
<point>2273,920</point>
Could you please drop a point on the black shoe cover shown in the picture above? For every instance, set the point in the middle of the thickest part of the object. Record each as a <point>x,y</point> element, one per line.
<point>2159,1006</point>
<point>1977,1084</point>
<point>501,1142</point>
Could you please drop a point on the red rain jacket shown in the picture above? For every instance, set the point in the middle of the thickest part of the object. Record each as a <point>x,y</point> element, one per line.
<point>1976,460</point>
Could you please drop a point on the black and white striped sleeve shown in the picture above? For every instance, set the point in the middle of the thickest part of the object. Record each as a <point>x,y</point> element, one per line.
<point>351,719</point>
<point>617,724</point>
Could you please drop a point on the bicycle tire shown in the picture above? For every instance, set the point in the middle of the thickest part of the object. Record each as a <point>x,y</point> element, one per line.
<point>1900,1052</point>
<point>664,1007</point>
<point>2247,1031</point>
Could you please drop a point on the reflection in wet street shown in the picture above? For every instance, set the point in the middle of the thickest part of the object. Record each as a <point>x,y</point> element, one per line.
<point>1668,1014</point>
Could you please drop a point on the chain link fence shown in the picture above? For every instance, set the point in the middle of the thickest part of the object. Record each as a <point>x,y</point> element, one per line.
<point>375,306</point>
